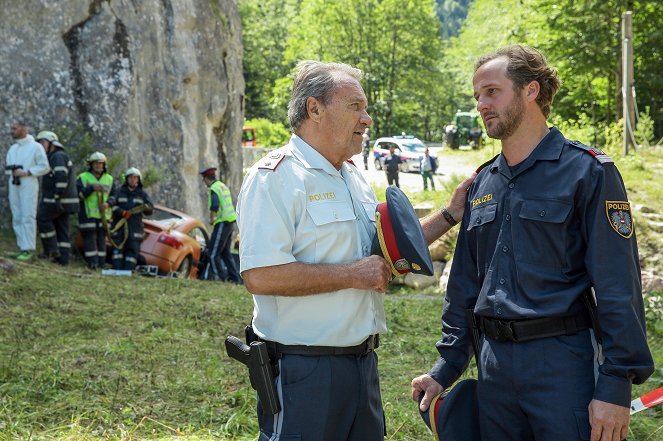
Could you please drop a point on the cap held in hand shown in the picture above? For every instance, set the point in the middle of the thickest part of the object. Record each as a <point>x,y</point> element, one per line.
<point>399,237</point>
<point>454,416</point>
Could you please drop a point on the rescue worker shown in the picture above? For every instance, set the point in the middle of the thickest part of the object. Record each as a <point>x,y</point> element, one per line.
<point>129,203</point>
<point>58,200</point>
<point>26,161</point>
<point>222,264</point>
<point>547,235</point>
<point>94,187</point>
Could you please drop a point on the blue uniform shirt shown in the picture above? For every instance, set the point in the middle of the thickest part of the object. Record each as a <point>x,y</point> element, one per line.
<point>532,242</point>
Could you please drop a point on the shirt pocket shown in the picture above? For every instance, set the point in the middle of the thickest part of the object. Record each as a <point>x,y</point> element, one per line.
<point>324,213</point>
<point>541,235</point>
<point>369,208</point>
<point>335,236</point>
<point>481,215</point>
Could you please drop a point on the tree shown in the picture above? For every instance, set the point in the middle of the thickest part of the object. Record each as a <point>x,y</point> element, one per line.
<point>396,44</point>
<point>264,33</point>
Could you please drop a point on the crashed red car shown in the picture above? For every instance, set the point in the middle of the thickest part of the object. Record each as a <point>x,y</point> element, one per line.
<point>174,243</point>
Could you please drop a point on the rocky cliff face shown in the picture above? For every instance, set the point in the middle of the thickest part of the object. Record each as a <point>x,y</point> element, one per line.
<point>157,83</point>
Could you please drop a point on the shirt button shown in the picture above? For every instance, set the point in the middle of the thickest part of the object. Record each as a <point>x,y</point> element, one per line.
<point>478,220</point>
<point>505,248</point>
<point>335,215</point>
<point>499,311</point>
<point>511,185</point>
<point>543,213</point>
<point>502,281</point>
<point>508,217</point>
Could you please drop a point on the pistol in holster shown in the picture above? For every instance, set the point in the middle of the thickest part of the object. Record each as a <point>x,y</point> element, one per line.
<point>261,370</point>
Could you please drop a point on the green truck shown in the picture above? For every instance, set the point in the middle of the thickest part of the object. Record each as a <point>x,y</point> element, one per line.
<point>464,130</point>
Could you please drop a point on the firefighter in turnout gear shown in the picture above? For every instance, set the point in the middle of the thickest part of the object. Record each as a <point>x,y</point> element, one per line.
<point>94,187</point>
<point>129,203</point>
<point>222,218</point>
<point>58,200</point>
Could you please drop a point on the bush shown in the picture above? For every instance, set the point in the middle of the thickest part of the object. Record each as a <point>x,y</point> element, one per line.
<point>269,134</point>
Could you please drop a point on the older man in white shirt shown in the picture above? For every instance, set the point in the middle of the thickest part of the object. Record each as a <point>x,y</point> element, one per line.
<point>26,161</point>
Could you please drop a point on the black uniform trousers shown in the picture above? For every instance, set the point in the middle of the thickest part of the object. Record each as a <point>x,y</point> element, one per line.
<point>127,257</point>
<point>392,178</point>
<point>222,264</point>
<point>94,241</point>
<point>326,398</point>
<point>515,388</point>
<point>53,226</point>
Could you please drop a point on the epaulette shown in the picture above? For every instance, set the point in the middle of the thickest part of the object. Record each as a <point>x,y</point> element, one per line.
<point>271,160</point>
<point>487,163</point>
<point>598,154</point>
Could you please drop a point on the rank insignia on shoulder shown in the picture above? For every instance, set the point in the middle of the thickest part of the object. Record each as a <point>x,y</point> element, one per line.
<point>598,154</point>
<point>271,161</point>
<point>619,216</point>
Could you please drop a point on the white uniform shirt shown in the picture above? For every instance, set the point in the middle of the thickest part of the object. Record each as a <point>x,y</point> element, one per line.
<point>306,211</point>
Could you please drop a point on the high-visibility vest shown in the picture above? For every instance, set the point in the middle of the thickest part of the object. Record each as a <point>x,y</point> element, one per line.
<point>226,211</point>
<point>91,202</point>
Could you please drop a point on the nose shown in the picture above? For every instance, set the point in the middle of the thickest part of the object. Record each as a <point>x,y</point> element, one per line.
<point>481,104</point>
<point>366,119</point>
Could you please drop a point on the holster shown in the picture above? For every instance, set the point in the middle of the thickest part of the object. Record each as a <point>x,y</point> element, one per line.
<point>261,371</point>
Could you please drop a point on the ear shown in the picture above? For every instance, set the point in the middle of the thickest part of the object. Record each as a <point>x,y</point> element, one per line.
<point>313,108</point>
<point>533,89</point>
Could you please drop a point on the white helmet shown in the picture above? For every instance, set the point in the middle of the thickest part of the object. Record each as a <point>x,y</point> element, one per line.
<point>133,171</point>
<point>96,157</point>
<point>48,136</point>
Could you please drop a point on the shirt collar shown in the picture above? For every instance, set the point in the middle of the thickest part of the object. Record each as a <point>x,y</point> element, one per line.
<point>548,149</point>
<point>310,157</point>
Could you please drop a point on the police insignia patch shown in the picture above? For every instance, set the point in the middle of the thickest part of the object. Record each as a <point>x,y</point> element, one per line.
<point>402,265</point>
<point>619,216</point>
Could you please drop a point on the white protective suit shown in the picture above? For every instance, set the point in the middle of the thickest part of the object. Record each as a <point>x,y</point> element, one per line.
<point>23,198</point>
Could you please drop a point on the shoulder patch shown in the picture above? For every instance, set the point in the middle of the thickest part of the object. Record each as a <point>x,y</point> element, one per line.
<point>487,163</point>
<point>271,160</point>
<point>596,153</point>
<point>620,218</point>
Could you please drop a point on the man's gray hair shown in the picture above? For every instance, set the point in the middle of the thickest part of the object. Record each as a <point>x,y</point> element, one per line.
<point>318,80</point>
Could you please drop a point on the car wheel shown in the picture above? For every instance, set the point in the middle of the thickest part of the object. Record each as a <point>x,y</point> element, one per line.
<point>378,164</point>
<point>184,269</point>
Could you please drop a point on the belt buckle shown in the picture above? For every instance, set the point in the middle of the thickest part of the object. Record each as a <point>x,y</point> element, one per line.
<point>505,330</point>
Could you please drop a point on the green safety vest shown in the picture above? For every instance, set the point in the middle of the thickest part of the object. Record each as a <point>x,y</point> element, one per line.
<point>91,202</point>
<point>226,211</point>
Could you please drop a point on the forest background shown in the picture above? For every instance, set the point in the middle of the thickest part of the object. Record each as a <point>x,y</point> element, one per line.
<point>418,58</point>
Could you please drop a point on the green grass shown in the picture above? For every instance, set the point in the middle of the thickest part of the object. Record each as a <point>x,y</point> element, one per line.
<point>89,357</point>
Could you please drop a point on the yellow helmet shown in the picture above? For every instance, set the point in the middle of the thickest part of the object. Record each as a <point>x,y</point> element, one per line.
<point>96,157</point>
<point>48,136</point>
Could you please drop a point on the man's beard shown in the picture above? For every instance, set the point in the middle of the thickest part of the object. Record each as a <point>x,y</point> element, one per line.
<point>510,120</point>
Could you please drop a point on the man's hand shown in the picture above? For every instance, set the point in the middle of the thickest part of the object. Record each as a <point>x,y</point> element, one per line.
<point>19,172</point>
<point>430,388</point>
<point>371,272</point>
<point>97,187</point>
<point>609,421</point>
<point>459,197</point>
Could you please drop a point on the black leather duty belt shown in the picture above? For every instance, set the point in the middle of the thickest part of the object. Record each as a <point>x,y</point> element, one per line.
<point>532,329</point>
<point>367,346</point>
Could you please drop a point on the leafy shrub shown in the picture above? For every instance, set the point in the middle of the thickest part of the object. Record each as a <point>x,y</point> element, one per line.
<point>268,133</point>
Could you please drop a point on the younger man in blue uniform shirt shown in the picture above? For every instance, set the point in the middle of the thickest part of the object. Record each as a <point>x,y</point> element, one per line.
<point>546,226</point>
